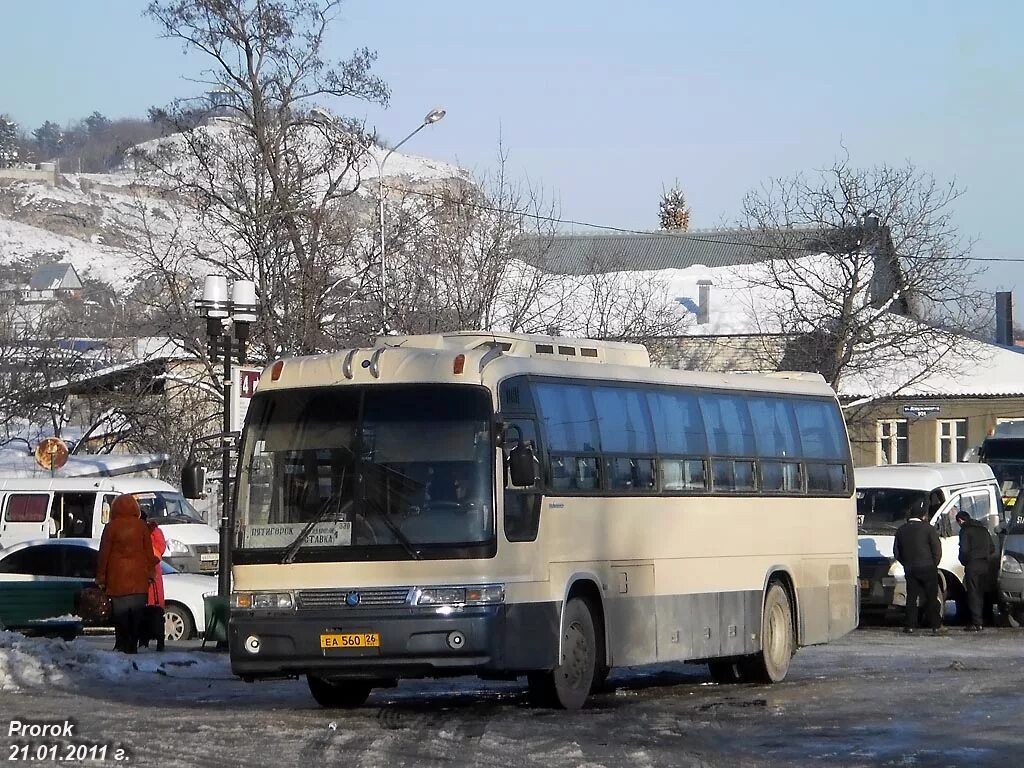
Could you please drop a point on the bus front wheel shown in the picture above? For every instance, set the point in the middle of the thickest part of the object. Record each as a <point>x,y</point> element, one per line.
<point>569,684</point>
<point>778,643</point>
<point>341,695</point>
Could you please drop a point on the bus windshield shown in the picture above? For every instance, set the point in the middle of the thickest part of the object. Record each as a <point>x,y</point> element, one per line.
<point>342,473</point>
<point>881,511</point>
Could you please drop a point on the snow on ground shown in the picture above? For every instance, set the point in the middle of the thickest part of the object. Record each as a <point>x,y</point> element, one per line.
<point>42,662</point>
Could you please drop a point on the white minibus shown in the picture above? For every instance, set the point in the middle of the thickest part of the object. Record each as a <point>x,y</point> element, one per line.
<point>79,507</point>
<point>883,495</point>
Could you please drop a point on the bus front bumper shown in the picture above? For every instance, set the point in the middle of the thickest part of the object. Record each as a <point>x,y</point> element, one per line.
<point>413,643</point>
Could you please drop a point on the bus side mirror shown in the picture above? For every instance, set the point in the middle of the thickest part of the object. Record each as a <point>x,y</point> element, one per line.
<point>522,466</point>
<point>193,480</point>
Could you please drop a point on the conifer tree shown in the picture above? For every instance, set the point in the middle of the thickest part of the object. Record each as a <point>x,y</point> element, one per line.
<point>8,142</point>
<point>673,212</point>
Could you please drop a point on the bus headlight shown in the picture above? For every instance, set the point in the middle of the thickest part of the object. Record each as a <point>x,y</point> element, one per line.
<point>482,595</point>
<point>1011,565</point>
<point>262,601</point>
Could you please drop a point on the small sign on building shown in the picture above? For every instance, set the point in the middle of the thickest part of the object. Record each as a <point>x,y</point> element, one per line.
<point>921,411</point>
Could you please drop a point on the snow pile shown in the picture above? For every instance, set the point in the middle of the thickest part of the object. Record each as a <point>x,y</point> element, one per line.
<point>36,662</point>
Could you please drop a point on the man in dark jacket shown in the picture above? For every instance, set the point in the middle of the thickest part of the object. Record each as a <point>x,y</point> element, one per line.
<point>976,551</point>
<point>918,549</point>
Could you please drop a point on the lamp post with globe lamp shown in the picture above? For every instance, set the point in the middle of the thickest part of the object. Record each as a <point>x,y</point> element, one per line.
<point>228,323</point>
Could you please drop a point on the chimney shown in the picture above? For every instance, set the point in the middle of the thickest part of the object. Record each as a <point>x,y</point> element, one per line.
<point>703,301</point>
<point>870,219</point>
<point>1004,318</point>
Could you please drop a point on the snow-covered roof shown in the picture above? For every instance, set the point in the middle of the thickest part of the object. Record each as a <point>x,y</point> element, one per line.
<point>973,369</point>
<point>739,303</point>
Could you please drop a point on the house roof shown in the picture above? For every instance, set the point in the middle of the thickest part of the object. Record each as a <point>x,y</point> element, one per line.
<point>741,305</point>
<point>52,277</point>
<point>974,369</point>
<point>579,254</point>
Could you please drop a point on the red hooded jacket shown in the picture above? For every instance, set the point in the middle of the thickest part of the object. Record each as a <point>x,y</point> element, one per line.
<point>156,589</point>
<point>126,559</point>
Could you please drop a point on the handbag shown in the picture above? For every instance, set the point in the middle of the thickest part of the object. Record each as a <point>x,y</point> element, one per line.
<point>93,605</point>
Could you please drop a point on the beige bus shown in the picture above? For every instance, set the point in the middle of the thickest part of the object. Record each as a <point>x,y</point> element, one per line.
<point>509,505</point>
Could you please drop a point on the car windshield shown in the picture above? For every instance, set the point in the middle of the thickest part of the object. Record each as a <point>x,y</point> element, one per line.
<point>884,510</point>
<point>167,508</point>
<point>335,472</point>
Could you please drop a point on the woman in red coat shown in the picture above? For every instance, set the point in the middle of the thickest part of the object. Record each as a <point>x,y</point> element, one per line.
<point>125,570</point>
<point>154,621</point>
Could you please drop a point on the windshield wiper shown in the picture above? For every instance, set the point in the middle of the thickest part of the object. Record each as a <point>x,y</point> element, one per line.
<point>325,512</point>
<point>400,537</point>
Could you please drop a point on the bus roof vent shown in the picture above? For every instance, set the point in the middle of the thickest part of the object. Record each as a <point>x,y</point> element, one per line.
<point>527,345</point>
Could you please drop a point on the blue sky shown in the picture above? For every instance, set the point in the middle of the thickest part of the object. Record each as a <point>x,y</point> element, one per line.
<point>602,103</point>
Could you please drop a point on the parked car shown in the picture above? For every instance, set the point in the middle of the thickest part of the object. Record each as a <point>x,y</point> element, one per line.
<point>78,507</point>
<point>72,562</point>
<point>883,495</point>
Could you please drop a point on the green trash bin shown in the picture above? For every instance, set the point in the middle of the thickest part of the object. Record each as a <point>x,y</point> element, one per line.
<point>216,610</point>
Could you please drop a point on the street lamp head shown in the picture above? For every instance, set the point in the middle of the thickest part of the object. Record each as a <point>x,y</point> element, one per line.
<point>433,116</point>
<point>243,301</point>
<point>214,303</point>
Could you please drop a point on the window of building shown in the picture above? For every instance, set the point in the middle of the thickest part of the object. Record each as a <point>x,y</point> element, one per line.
<point>952,438</point>
<point>892,442</point>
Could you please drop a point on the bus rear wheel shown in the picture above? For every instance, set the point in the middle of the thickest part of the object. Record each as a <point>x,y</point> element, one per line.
<point>778,643</point>
<point>346,694</point>
<point>569,684</point>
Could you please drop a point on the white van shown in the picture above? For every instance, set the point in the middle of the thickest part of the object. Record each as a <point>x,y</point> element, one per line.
<point>34,508</point>
<point>883,495</point>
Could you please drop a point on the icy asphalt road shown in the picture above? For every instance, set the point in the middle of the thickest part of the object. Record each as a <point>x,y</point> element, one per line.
<point>874,698</point>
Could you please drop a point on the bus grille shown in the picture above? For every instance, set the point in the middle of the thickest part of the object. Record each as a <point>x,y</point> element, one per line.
<point>308,599</point>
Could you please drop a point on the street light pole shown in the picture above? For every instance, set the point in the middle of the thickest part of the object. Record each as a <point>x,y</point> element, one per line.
<point>227,330</point>
<point>431,117</point>
<point>321,116</point>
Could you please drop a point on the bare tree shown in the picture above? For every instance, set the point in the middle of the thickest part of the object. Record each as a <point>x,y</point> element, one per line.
<point>458,263</point>
<point>41,346</point>
<point>267,182</point>
<point>865,277</point>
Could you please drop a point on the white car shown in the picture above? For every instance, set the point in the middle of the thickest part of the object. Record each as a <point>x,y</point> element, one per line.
<point>74,560</point>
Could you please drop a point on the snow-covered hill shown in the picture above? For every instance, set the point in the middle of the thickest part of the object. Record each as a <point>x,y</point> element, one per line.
<point>88,219</point>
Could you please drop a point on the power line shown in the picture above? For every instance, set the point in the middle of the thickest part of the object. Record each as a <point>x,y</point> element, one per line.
<point>668,235</point>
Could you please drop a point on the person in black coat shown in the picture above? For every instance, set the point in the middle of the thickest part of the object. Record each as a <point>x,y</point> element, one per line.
<point>918,549</point>
<point>976,552</point>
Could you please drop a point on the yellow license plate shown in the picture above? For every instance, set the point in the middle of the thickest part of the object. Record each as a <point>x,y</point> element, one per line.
<point>351,640</point>
<point>865,583</point>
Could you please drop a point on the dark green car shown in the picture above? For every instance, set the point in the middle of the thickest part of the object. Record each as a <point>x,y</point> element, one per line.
<point>39,587</point>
